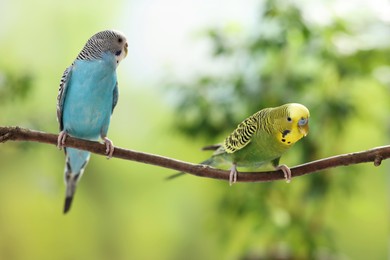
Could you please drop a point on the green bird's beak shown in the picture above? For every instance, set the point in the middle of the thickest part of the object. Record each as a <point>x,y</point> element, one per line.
<point>304,130</point>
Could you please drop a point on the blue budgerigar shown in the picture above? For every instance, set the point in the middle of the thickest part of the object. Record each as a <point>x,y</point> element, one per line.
<point>87,96</point>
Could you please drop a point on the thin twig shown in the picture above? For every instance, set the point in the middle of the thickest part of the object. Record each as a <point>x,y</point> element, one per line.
<point>375,155</point>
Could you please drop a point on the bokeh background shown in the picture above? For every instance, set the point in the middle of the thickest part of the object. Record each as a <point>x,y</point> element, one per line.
<point>195,69</point>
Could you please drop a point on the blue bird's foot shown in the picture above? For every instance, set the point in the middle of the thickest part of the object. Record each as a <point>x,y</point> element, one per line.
<point>233,174</point>
<point>61,139</point>
<point>109,147</point>
<point>286,171</point>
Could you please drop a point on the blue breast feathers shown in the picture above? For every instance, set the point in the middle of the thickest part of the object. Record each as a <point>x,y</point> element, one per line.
<point>89,98</point>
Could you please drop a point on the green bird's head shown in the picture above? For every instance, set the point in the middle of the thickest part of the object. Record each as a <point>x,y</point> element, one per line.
<point>292,122</point>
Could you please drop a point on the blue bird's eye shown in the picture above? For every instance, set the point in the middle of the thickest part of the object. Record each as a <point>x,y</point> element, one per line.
<point>118,53</point>
<point>302,121</point>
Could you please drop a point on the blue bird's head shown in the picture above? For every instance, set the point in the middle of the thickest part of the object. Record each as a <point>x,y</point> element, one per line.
<point>108,41</point>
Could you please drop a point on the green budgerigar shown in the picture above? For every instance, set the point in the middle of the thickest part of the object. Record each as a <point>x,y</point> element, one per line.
<point>261,139</point>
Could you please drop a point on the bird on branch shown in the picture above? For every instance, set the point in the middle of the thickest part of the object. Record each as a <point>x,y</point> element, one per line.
<point>88,94</point>
<point>261,139</point>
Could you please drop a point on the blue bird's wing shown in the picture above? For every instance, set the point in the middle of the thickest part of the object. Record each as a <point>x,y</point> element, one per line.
<point>115,97</point>
<point>62,94</point>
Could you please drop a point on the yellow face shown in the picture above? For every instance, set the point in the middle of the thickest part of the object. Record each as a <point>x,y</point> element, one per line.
<point>294,125</point>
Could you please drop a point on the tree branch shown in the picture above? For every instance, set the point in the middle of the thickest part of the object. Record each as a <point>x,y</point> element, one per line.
<point>375,155</point>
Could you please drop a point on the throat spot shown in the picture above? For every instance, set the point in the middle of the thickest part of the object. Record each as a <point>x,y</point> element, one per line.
<point>285,132</point>
<point>284,138</point>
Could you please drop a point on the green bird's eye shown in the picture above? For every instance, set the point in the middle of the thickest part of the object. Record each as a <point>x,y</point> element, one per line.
<point>302,121</point>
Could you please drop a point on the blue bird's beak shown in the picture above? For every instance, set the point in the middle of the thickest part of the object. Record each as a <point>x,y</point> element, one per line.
<point>126,46</point>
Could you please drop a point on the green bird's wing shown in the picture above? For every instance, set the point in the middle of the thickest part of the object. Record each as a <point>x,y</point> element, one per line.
<point>243,134</point>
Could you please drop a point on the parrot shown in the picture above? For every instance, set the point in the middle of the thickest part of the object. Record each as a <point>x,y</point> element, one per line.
<point>261,139</point>
<point>87,96</point>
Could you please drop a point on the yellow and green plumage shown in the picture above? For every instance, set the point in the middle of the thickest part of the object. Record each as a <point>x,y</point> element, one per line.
<point>262,138</point>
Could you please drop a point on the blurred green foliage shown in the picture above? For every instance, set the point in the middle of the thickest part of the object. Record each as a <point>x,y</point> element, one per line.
<point>285,59</point>
<point>13,86</point>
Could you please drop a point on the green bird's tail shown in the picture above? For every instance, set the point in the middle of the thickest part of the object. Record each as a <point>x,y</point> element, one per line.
<point>175,175</point>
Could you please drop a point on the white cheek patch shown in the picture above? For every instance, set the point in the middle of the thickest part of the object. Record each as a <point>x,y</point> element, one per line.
<point>120,57</point>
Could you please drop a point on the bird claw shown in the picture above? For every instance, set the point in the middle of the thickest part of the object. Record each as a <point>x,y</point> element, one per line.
<point>61,139</point>
<point>233,175</point>
<point>286,171</point>
<point>109,147</point>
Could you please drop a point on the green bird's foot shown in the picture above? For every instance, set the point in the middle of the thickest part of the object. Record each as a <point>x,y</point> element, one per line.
<point>286,171</point>
<point>233,174</point>
<point>109,147</point>
<point>61,139</point>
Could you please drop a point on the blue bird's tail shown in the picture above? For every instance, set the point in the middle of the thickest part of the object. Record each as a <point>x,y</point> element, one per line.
<point>76,160</point>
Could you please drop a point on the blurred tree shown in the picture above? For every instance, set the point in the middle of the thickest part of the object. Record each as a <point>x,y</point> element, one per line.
<point>14,86</point>
<point>286,59</point>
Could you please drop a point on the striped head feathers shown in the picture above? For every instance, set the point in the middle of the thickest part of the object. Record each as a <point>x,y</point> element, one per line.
<point>110,41</point>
